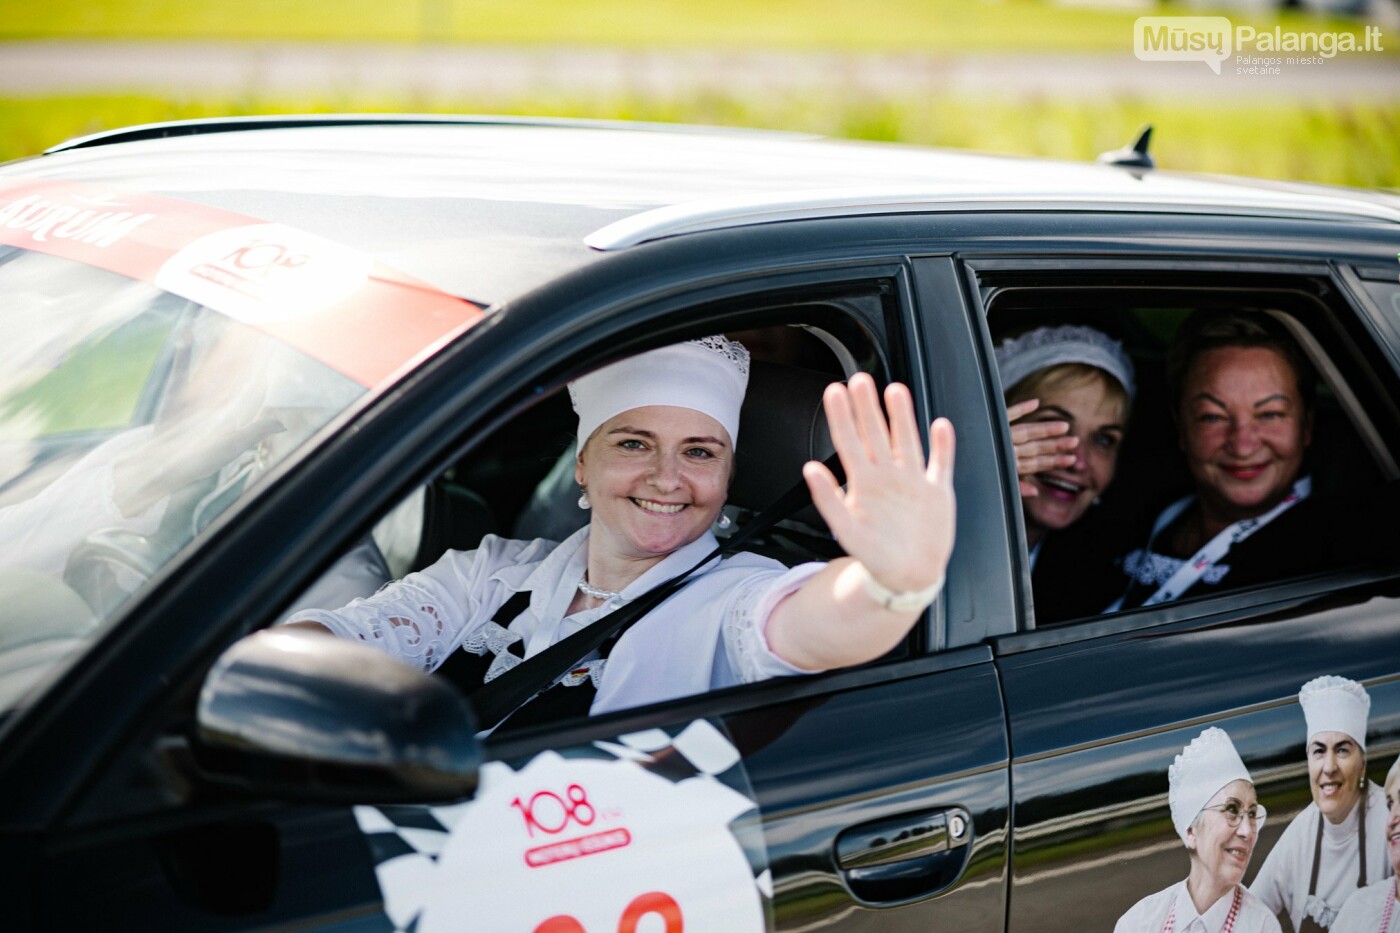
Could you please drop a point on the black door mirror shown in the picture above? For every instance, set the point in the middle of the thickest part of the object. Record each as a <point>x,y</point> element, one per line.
<point>295,712</point>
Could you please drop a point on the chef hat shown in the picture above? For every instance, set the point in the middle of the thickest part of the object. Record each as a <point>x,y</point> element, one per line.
<point>1031,352</point>
<point>708,375</point>
<point>1335,704</point>
<point>1204,766</point>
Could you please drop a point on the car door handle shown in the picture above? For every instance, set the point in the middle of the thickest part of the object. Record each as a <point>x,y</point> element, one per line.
<point>905,857</point>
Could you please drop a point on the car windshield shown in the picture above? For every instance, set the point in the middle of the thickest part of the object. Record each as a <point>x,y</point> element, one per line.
<point>130,419</point>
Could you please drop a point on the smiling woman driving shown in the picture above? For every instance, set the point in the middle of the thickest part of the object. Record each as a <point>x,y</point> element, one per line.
<point>656,440</point>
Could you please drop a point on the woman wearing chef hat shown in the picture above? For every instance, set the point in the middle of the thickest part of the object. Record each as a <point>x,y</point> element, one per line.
<point>1218,817</point>
<point>1373,910</point>
<point>1337,844</point>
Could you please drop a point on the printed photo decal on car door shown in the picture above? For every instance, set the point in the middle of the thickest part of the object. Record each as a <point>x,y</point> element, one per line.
<point>1216,813</point>
<point>1331,851</point>
<point>657,830</point>
<point>1337,844</point>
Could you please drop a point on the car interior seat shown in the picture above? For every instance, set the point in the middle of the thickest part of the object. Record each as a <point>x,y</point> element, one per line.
<point>439,516</point>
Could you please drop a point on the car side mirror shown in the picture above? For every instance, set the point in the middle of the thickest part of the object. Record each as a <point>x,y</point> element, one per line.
<point>300,713</point>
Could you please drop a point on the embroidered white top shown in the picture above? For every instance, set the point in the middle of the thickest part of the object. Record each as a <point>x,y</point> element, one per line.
<point>1364,910</point>
<point>1150,914</point>
<point>1282,882</point>
<point>708,635</point>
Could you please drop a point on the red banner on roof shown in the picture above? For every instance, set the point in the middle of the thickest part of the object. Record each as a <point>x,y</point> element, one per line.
<point>331,302</point>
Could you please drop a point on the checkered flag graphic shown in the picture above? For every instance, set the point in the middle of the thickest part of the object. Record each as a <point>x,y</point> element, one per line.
<point>405,841</point>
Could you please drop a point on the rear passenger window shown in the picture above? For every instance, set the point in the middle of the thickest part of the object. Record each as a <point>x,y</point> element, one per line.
<point>1257,447</point>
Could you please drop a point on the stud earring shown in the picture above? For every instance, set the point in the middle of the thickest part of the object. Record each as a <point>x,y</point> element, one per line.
<point>724,521</point>
<point>583,502</point>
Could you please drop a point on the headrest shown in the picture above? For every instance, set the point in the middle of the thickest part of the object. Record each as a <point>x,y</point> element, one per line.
<point>784,427</point>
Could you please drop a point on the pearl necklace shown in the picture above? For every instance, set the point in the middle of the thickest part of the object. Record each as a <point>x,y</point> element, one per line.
<point>594,592</point>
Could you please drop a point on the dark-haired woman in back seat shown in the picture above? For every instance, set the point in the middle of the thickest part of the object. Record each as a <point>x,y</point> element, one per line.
<point>1243,402</point>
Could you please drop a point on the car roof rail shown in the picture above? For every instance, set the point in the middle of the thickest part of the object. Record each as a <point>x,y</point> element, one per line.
<point>210,125</point>
<point>1133,155</point>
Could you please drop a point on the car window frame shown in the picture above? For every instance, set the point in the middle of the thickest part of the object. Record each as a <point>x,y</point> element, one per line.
<point>981,599</point>
<point>747,306</point>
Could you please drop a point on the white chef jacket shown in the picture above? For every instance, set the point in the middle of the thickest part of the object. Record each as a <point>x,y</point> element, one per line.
<point>706,636</point>
<point>1282,882</point>
<point>1363,910</point>
<point>1149,915</point>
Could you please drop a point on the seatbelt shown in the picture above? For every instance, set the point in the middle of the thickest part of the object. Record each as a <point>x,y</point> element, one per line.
<point>467,670</point>
<point>501,697</point>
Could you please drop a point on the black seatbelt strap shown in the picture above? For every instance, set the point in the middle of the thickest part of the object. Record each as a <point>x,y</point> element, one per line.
<point>499,698</point>
<point>466,670</point>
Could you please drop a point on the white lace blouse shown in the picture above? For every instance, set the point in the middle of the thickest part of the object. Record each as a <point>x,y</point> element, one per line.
<point>708,635</point>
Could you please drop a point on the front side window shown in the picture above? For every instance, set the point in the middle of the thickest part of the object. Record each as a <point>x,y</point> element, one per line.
<point>524,511</point>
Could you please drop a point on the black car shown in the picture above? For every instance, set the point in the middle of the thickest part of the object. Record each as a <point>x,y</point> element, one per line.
<point>342,336</point>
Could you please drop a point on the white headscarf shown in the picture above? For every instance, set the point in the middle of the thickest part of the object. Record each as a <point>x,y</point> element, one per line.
<point>708,375</point>
<point>1031,352</point>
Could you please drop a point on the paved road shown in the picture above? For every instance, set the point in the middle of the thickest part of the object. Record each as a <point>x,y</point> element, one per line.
<point>490,73</point>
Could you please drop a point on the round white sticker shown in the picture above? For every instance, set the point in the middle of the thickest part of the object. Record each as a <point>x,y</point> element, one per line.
<point>639,835</point>
<point>594,846</point>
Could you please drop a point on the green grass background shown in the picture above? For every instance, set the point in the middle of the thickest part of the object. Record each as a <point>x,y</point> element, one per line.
<point>1353,143</point>
<point>921,25</point>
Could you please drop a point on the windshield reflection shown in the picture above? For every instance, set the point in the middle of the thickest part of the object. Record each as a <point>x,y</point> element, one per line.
<point>129,420</point>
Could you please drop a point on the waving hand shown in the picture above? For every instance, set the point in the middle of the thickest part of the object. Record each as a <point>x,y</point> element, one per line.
<point>896,514</point>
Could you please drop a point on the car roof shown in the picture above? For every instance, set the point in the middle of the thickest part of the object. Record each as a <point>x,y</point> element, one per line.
<point>488,209</point>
